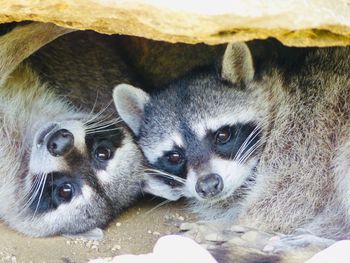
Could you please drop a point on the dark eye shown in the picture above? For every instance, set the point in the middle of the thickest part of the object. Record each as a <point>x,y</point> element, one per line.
<point>223,135</point>
<point>65,192</point>
<point>175,157</point>
<point>103,153</point>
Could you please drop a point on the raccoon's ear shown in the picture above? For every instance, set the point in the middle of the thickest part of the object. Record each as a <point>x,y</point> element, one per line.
<point>130,103</point>
<point>237,63</point>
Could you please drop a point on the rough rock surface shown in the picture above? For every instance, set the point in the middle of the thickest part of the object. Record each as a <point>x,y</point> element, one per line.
<point>298,23</point>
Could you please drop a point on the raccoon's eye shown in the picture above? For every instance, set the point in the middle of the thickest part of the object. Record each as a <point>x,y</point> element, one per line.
<point>65,192</point>
<point>175,157</point>
<point>223,135</point>
<point>103,153</point>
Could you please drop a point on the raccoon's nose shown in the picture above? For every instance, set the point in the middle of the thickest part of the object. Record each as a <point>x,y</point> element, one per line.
<point>60,143</point>
<point>209,185</point>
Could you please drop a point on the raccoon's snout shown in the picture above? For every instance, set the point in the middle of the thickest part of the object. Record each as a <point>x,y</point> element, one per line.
<point>209,185</point>
<point>60,142</point>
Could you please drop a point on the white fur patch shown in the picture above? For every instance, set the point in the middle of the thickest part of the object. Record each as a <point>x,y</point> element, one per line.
<point>87,192</point>
<point>78,131</point>
<point>120,163</point>
<point>159,188</point>
<point>233,174</point>
<point>191,181</point>
<point>41,162</point>
<point>168,144</point>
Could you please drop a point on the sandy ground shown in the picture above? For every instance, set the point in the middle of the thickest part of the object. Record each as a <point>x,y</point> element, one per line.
<point>135,231</point>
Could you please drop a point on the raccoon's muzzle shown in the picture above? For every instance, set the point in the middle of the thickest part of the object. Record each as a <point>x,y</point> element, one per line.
<point>209,185</point>
<point>60,143</point>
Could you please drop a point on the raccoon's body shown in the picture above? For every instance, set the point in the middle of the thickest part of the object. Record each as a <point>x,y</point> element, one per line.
<point>63,170</point>
<point>75,64</point>
<point>264,143</point>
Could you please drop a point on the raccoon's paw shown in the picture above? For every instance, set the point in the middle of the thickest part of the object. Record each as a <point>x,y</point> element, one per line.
<point>283,244</point>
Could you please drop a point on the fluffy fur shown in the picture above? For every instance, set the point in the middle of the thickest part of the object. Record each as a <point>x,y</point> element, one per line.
<point>72,190</point>
<point>296,178</point>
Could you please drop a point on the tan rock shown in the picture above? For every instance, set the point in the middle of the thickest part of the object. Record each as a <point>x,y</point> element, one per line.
<point>298,22</point>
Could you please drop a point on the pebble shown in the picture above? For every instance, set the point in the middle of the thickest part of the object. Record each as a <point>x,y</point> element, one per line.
<point>268,248</point>
<point>155,233</point>
<point>149,232</point>
<point>94,247</point>
<point>215,237</point>
<point>275,238</point>
<point>236,241</point>
<point>116,247</point>
<point>181,218</point>
<point>238,229</point>
<point>88,244</point>
<point>187,226</point>
<point>250,236</point>
<point>118,224</point>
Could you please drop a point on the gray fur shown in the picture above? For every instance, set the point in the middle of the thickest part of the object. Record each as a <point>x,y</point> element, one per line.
<point>131,106</point>
<point>237,64</point>
<point>302,169</point>
<point>28,110</point>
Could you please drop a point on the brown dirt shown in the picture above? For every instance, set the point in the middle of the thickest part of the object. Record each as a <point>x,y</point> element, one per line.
<point>135,231</point>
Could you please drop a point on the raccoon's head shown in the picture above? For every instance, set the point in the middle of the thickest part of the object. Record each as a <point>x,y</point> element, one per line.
<point>79,174</point>
<point>203,135</point>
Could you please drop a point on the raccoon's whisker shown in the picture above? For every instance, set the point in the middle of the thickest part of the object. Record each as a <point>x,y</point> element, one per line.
<point>94,116</point>
<point>141,188</point>
<point>102,125</point>
<point>103,130</point>
<point>42,186</point>
<point>157,206</point>
<point>164,174</point>
<point>101,118</point>
<point>31,193</point>
<point>155,171</point>
<point>98,114</point>
<point>245,149</point>
<point>246,142</point>
<point>101,121</point>
<point>250,151</point>
<point>32,187</point>
<point>172,177</point>
<point>94,105</point>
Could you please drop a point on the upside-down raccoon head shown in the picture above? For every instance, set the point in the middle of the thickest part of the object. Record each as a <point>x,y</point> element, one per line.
<point>202,136</point>
<point>62,171</point>
<point>77,174</point>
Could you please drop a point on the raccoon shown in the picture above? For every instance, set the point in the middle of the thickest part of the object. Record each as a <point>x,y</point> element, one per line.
<point>201,136</point>
<point>263,142</point>
<point>63,170</point>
